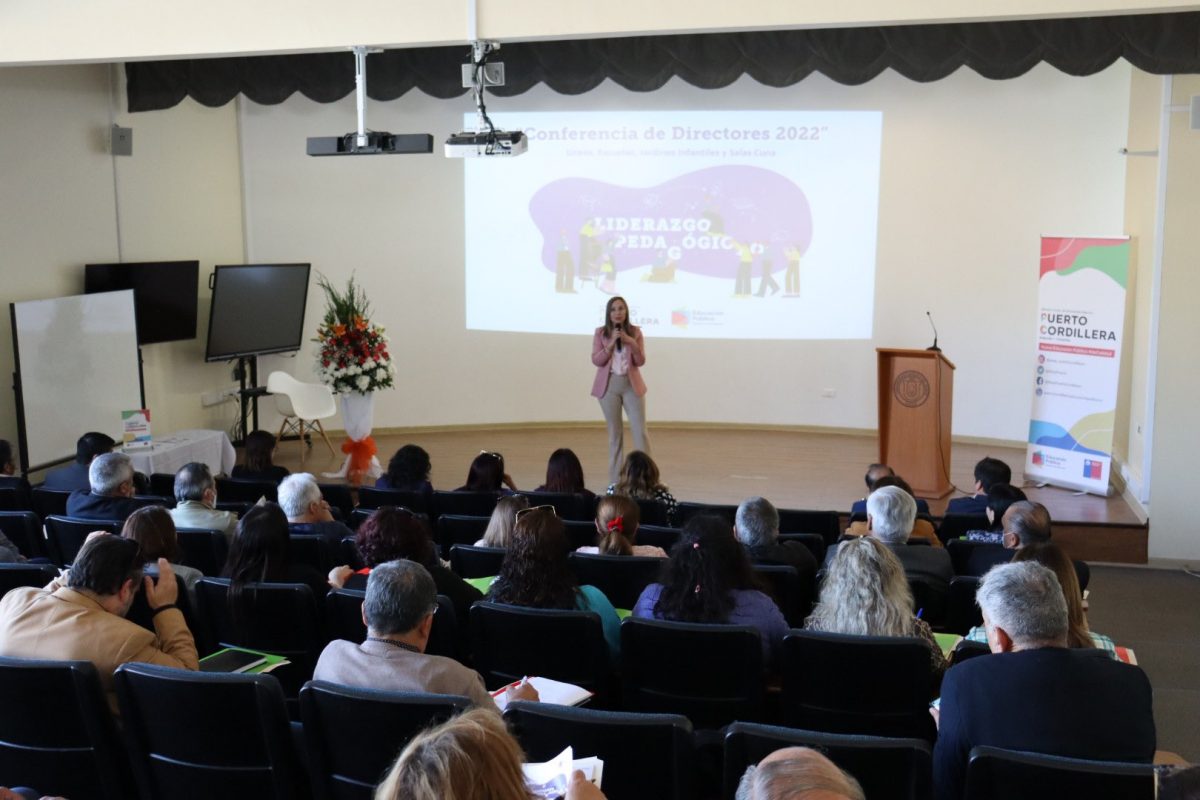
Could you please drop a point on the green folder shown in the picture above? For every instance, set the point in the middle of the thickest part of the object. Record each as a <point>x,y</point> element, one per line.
<point>272,660</point>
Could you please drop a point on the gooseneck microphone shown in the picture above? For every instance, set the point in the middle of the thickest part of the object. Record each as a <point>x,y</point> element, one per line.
<point>618,328</point>
<point>934,347</point>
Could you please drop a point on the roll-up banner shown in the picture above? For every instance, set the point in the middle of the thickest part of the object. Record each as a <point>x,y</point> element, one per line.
<point>1081,314</point>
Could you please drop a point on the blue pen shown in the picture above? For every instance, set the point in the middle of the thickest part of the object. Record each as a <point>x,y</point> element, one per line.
<point>920,611</point>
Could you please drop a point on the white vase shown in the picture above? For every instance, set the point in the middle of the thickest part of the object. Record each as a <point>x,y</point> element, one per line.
<point>358,415</point>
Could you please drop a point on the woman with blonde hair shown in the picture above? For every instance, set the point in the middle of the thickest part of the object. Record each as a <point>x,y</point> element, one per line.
<point>640,480</point>
<point>866,593</point>
<point>616,527</point>
<point>504,518</point>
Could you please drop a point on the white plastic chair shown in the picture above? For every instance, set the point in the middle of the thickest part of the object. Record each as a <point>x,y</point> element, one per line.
<point>303,406</point>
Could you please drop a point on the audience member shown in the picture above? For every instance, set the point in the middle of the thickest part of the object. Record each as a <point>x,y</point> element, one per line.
<point>708,578</point>
<point>487,475</point>
<point>999,498</point>
<point>9,479</point>
<point>74,476</point>
<point>196,501</point>
<point>398,612</point>
<point>308,513</point>
<point>535,573</point>
<point>891,512</point>
<point>756,526</point>
<point>259,554</point>
<point>1033,693</point>
<point>407,471</point>
<point>469,757</point>
<point>504,519</point>
<point>110,497</point>
<point>617,519</point>
<point>80,615</point>
<point>1052,557</point>
<point>640,480</point>
<point>988,472</point>
<point>1024,523</point>
<point>876,476</point>
<point>797,773</point>
<point>922,527</point>
<point>154,531</point>
<point>258,452</point>
<point>393,533</point>
<point>564,473</point>
<point>866,593</point>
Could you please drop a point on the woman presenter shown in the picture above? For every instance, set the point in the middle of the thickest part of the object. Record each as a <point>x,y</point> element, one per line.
<point>618,351</point>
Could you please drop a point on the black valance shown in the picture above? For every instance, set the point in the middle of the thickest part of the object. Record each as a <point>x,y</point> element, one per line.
<point>1156,43</point>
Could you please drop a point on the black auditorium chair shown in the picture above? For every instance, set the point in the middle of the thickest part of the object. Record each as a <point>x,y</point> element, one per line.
<point>57,732</point>
<point>371,498</point>
<point>511,642</point>
<point>468,561</point>
<point>659,670</point>
<point>793,594</point>
<point>580,533</point>
<point>455,529</point>
<point>566,505</point>
<point>470,504</point>
<point>645,755</point>
<point>621,578</point>
<point>929,600</point>
<point>24,529</point>
<point>967,649</point>
<point>658,535</point>
<point>873,685</point>
<point>652,512</point>
<point>825,523</point>
<point>813,541</point>
<point>15,575</point>
<point>246,491</point>
<point>352,735</point>
<point>204,549</point>
<point>49,502</point>
<point>886,768</point>
<point>311,549</point>
<point>994,773</point>
<point>339,496</point>
<point>961,612</point>
<point>65,535</point>
<point>976,558</point>
<point>954,526</point>
<point>199,735</point>
<point>685,511</point>
<point>348,554</point>
<point>15,498</point>
<point>162,483</point>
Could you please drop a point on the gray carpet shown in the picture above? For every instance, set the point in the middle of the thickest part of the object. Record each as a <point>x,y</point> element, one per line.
<point>1157,613</point>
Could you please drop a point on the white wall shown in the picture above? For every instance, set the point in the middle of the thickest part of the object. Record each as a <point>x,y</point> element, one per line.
<point>972,172</point>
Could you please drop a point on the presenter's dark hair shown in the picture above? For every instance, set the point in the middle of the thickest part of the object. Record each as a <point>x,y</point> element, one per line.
<point>630,328</point>
<point>409,468</point>
<point>991,471</point>
<point>486,473</point>
<point>534,572</point>
<point>259,552</point>
<point>259,447</point>
<point>391,533</point>
<point>564,473</point>
<point>706,565</point>
<point>93,444</point>
<point>154,531</point>
<point>104,563</point>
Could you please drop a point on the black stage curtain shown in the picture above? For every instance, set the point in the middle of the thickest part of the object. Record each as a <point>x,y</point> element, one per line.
<point>1156,43</point>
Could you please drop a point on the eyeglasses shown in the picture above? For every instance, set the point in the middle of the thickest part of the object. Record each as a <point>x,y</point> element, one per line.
<point>525,511</point>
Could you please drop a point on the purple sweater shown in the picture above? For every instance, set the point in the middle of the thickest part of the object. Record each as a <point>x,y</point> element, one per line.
<point>750,607</point>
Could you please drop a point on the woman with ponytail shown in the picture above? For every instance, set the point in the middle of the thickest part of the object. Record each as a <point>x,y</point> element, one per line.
<point>616,528</point>
<point>709,579</point>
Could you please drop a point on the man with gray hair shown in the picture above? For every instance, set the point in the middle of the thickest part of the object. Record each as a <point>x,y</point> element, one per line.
<point>756,526</point>
<point>891,513</point>
<point>1024,522</point>
<point>1033,693</point>
<point>797,773</point>
<point>111,497</point>
<point>196,501</point>
<point>398,612</point>
<point>307,511</point>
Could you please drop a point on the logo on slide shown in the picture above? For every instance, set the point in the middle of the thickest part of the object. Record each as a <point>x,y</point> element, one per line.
<point>679,317</point>
<point>911,388</point>
<point>1038,458</point>
<point>1092,469</point>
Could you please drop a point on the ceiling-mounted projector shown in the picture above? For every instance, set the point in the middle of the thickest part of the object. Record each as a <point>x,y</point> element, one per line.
<point>488,143</point>
<point>364,142</point>
<point>477,73</point>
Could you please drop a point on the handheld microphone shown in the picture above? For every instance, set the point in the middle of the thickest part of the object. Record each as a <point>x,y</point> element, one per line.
<point>934,347</point>
<point>618,328</point>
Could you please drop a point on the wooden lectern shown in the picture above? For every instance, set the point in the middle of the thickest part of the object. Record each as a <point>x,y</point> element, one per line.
<point>916,389</point>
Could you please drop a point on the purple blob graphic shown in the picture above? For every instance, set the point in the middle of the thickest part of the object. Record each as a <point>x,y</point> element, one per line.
<point>702,222</point>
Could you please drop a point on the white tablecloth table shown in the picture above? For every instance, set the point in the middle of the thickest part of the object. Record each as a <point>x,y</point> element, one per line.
<point>169,453</point>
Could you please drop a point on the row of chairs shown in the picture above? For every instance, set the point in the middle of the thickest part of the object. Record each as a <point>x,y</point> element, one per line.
<point>195,735</point>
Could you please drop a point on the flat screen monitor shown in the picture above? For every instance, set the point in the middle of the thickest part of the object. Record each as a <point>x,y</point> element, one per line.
<point>164,295</point>
<point>257,309</point>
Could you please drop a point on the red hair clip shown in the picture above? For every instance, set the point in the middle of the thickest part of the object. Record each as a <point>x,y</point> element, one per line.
<point>617,524</point>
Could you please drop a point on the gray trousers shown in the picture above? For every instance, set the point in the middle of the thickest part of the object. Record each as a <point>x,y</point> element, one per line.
<point>620,393</point>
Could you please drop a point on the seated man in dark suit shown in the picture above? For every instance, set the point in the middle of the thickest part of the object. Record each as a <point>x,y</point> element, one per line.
<point>756,526</point>
<point>74,476</point>
<point>9,479</point>
<point>988,472</point>
<point>398,612</point>
<point>111,496</point>
<point>891,513</point>
<point>1033,693</point>
<point>308,512</point>
<point>877,475</point>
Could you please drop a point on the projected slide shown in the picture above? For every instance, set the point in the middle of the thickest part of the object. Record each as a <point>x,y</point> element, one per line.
<point>714,225</point>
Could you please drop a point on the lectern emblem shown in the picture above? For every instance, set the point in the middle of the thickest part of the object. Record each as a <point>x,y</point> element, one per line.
<point>911,388</point>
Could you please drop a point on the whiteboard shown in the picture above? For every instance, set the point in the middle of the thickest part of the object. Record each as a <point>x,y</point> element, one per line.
<point>77,369</point>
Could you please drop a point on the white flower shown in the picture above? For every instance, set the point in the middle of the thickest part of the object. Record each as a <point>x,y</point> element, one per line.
<point>381,374</point>
<point>368,365</point>
<point>363,382</point>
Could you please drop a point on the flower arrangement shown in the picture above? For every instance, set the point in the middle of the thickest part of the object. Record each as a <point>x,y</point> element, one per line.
<point>353,355</point>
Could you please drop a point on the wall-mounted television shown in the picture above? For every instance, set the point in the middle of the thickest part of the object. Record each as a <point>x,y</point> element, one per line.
<point>164,295</point>
<point>256,309</point>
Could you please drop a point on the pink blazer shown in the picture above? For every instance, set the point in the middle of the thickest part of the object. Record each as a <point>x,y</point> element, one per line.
<point>601,358</point>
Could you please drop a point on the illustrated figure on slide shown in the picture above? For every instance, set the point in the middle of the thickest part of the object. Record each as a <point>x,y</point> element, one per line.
<point>564,268</point>
<point>767,279</point>
<point>791,278</point>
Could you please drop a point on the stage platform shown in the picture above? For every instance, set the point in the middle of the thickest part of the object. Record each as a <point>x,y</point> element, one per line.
<point>712,464</point>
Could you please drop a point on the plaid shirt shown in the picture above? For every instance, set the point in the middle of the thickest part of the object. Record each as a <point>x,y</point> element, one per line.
<point>1101,641</point>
